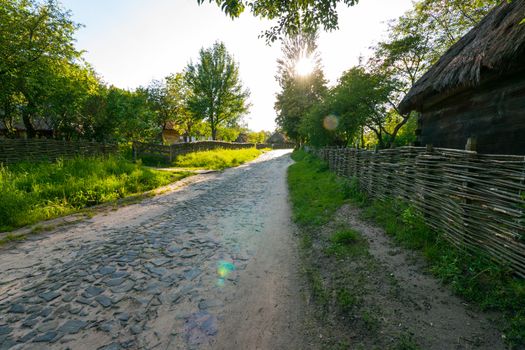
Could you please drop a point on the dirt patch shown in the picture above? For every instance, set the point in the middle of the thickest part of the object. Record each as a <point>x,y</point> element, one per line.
<point>380,296</point>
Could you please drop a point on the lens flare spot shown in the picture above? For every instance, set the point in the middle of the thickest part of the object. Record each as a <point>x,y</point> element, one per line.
<point>224,268</point>
<point>330,122</point>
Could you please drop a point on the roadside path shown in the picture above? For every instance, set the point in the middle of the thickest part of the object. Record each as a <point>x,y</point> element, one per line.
<point>210,266</point>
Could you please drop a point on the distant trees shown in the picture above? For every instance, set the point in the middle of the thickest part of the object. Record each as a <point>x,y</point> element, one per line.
<point>362,107</point>
<point>45,81</point>
<point>217,94</point>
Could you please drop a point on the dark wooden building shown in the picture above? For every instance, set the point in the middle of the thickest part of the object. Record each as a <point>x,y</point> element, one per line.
<point>477,88</point>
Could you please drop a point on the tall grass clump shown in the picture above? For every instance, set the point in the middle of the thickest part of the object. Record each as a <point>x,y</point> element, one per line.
<point>31,192</point>
<point>217,159</point>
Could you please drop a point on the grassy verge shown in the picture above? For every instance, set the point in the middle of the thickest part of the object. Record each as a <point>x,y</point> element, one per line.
<point>316,194</point>
<point>32,192</point>
<point>336,262</point>
<point>217,159</point>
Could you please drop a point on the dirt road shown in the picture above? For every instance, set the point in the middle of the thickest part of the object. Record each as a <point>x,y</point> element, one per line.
<point>212,265</point>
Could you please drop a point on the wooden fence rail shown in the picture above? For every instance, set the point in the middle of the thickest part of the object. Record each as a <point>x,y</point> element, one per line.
<point>476,200</point>
<point>15,150</point>
<point>170,152</point>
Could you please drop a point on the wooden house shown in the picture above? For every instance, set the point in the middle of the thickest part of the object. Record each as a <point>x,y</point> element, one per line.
<point>18,130</point>
<point>476,89</point>
<point>277,137</point>
<point>171,133</point>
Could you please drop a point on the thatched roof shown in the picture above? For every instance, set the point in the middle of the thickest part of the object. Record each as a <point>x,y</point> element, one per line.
<point>277,137</point>
<point>495,46</point>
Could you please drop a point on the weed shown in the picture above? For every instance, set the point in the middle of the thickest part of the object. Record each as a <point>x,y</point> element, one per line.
<point>346,243</point>
<point>406,342</point>
<point>346,300</point>
<point>316,283</point>
<point>371,322</point>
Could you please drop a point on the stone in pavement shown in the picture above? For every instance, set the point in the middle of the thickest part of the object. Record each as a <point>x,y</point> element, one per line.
<point>46,338</point>
<point>104,300</point>
<point>72,326</point>
<point>49,296</point>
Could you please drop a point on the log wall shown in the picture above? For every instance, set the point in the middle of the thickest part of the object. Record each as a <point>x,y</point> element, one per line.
<point>493,113</point>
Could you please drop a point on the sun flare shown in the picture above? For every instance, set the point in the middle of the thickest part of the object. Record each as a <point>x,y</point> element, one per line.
<point>305,65</point>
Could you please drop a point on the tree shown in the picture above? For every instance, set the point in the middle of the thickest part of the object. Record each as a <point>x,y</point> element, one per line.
<point>217,94</point>
<point>293,17</point>
<point>34,36</point>
<point>415,41</point>
<point>180,94</point>
<point>298,92</point>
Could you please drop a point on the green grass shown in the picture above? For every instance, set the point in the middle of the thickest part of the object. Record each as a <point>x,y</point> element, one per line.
<point>315,193</point>
<point>217,159</point>
<point>32,192</point>
<point>472,274</point>
<point>346,243</point>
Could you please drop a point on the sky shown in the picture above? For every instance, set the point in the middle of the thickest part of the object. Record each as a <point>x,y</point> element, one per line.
<point>131,42</point>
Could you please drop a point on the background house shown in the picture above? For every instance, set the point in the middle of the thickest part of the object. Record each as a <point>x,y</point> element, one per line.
<point>18,129</point>
<point>477,88</point>
<point>171,134</point>
<point>277,137</point>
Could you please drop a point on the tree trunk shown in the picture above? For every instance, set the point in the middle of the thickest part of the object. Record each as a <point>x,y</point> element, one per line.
<point>26,118</point>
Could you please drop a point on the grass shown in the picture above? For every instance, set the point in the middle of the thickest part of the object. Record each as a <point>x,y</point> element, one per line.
<point>315,193</point>
<point>346,243</point>
<point>217,159</point>
<point>32,192</point>
<point>471,275</point>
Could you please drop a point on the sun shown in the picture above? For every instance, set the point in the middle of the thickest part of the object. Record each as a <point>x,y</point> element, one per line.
<point>305,66</point>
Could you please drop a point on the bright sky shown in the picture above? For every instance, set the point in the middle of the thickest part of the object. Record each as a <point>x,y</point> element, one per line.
<point>131,42</point>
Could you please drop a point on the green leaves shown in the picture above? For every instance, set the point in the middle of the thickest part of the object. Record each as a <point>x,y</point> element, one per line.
<point>292,17</point>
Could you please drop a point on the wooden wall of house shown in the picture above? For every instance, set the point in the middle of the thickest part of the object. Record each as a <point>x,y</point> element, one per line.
<point>493,113</point>
<point>170,136</point>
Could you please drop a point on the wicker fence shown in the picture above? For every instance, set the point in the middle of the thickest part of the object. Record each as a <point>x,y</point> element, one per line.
<point>15,150</point>
<point>172,151</point>
<point>476,200</point>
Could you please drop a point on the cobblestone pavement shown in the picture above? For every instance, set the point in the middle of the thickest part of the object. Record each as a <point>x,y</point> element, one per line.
<point>155,275</point>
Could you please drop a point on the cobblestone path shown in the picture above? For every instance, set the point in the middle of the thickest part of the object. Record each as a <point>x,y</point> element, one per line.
<point>172,272</point>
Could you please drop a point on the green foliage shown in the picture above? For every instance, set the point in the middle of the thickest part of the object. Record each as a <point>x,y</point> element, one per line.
<point>471,275</point>
<point>38,191</point>
<point>217,159</point>
<point>316,193</point>
<point>291,17</point>
<point>217,92</point>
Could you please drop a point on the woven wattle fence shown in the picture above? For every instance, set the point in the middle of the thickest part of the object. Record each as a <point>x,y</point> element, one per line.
<point>477,201</point>
<point>16,150</point>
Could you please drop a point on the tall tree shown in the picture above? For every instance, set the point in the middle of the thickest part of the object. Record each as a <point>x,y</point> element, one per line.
<point>217,93</point>
<point>299,90</point>
<point>34,36</point>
